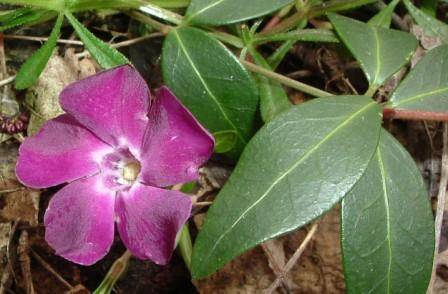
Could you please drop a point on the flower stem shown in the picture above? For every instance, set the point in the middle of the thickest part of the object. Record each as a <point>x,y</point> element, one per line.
<point>405,114</point>
<point>185,246</point>
<point>114,273</point>
<point>162,13</point>
<point>285,80</point>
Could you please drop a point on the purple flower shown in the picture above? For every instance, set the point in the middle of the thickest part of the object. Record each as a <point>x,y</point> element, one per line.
<point>115,149</point>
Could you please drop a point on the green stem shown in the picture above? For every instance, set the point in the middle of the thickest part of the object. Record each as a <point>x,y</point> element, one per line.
<point>115,272</point>
<point>371,90</point>
<point>57,5</point>
<point>185,246</point>
<point>163,28</point>
<point>162,13</point>
<point>285,80</point>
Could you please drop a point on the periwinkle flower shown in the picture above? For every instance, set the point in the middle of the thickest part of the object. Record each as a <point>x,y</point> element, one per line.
<point>117,150</point>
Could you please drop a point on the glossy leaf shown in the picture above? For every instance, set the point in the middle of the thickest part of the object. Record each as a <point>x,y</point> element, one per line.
<point>220,12</point>
<point>294,169</point>
<point>384,17</point>
<point>34,65</point>
<point>211,82</point>
<point>426,86</point>
<point>431,25</point>
<point>380,52</point>
<point>24,16</point>
<point>104,54</point>
<point>387,226</point>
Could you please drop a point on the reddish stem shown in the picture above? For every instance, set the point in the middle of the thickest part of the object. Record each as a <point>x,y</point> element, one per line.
<point>391,113</point>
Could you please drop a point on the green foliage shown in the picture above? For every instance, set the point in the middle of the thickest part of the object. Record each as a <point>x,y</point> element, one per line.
<point>431,25</point>
<point>224,141</point>
<point>24,16</point>
<point>104,54</point>
<point>384,17</point>
<point>387,225</point>
<point>426,86</point>
<point>295,169</point>
<point>33,67</point>
<point>211,82</point>
<point>380,52</point>
<point>219,12</point>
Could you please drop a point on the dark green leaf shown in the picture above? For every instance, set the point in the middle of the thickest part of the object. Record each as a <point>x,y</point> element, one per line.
<point>384,17</point>
<point>431,25</point>
<point>380,52</point>
<point>104,54</point>
<point>294,169</point>
<point>426,86</point>
<point>224,141</point>
<point>387,226</point>
<point>24,16</point>
<point>211,82</point>
<point>220,12</point>
<point>33,67</point>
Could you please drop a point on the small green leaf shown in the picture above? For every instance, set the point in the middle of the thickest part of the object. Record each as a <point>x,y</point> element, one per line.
<point>220,12</point>
<point>431,25</point>
<point>426,86</point>
<point>24,16</point>
<point>294,169</point>
<point>380,52</point>
<point>387,226</point>
<point>224,141</point>
<point>30,71</point>
<point>384,17</point>
<point>211,82</point>
<point>104,54</point>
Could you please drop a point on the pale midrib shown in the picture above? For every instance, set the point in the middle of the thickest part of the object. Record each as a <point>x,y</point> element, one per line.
<point>407,100</point>
<point>205,9</point>
<point>238,132</point>
<point>288,171</point>
<point>386,204</point>
<point>378,56</point>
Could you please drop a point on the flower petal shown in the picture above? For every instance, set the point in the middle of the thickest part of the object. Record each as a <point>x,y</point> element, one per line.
<point>62,151</point>
<point>79,221</point>
<point>112,104</point>
<point>175,144</point>
<point>148,220</point>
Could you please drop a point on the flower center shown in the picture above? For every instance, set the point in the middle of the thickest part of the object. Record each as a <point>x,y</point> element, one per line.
<point>119,169</point>
<point>131,171</point>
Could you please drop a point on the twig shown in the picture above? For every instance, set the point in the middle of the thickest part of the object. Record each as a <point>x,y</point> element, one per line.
<point>115,272</point>
<point>124,43</point>
<point>293,260</point>
<point>50,269</point>
<point>441,199</point>
<point>7,81</point>
<point>393,113</point>
<point>25,261</point>
<point>42,39</point>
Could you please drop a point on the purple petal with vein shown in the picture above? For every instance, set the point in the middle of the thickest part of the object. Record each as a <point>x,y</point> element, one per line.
<point>62,151</point>
<point>112,104</point>
<point>175,144</point>
<point>79,221</point>
<point>148,220</point>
